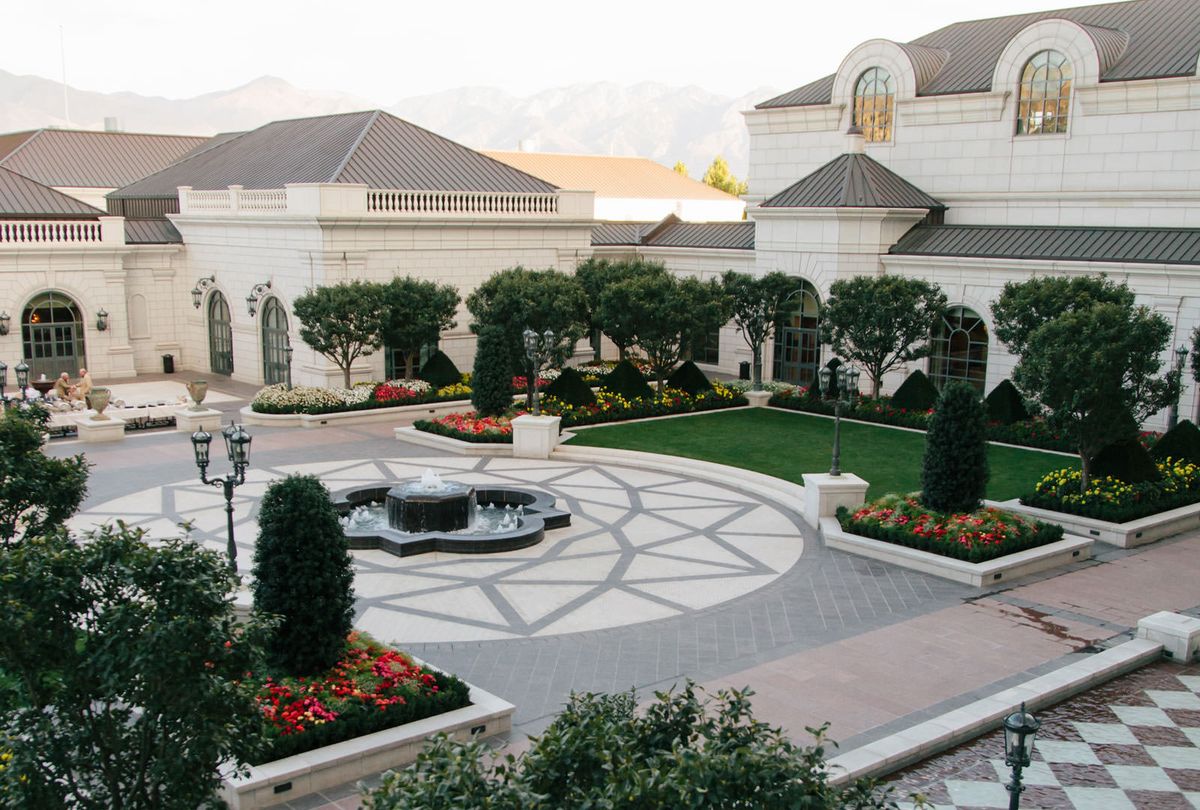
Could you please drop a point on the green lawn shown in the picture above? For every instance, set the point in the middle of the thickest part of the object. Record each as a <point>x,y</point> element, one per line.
<point>788,444</point>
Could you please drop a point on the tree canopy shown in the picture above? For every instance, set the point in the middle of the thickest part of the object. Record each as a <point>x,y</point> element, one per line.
<point>415,313</point>
<point>1024,306</point>
<point>680,168</point>
<point>720,177</point>
<point>756,304</point>
<point>598,275</point>
<point>37,492</point>
<point>341,321</point>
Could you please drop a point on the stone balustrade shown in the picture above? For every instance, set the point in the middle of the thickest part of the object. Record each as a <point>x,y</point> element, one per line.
<point>50,233</point>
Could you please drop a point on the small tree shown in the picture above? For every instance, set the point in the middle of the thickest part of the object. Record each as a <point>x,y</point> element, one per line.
<point>757,305</point>
<point>341,321</point>
<point>680,168</point>
<point>37,492</point>
<point>719,177</point>
<point>415,313</point>
<point>1024,306</point>
<point>303,575</point>
<point>954,473</point>
<point>880,321</point>
<point>597,276</point>
<point>491,382</point>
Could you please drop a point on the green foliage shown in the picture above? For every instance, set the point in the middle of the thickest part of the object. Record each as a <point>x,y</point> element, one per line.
<point>415,313</point>
<point>439,371</point>
<point>598,275</point>
<point>757,304</point>
<point>1180,442</point>
<point>689,378</point>
<point>1126,460</point>
<point>954,472</point>
<point>571,388</point>
<point>682,751</point>
<point>680,168</point>
<point>1005,405</point>
<point>916,393</point>
<point>1196,354</point>
<point>879,322</point>
<point>627,381</point>
<point>342,321</point>
<point>721,178</point>
<point>303,574</point>
<point>37,492</point>
<point>491,381</point>
<point>1025,306</point>
<point>131,671</point>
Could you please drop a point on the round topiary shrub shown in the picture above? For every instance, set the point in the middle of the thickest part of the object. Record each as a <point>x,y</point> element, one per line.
<point>491,381</point>
<point>688,377</point>
<point>439,371</point>
<point>954,472</point>
<point>570,388</point>
<point>1180,442</point>
<point>1127,461</point>
<point>1005,404</point>
<point>916,393</point>
<point>627,381</point>
<point>303,574</point>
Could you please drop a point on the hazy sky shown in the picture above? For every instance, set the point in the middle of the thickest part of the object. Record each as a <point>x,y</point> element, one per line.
<point>384,51</point>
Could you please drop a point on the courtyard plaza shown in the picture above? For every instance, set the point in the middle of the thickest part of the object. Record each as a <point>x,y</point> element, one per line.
<point>661,576</point>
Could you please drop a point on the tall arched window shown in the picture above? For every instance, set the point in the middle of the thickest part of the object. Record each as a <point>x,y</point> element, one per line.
<point>52,336</point>
<point>274,341</point>
<point>1045,99</point>
<point>873,100</point>
<point>220,334</point>
<point>958,349</point>
<point>798,340</point>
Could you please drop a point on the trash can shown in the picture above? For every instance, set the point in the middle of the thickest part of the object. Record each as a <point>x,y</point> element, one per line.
<point>744,370</point>
<point>168,364</point>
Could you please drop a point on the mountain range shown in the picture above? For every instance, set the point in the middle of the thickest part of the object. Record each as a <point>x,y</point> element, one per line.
<point>652,120</point>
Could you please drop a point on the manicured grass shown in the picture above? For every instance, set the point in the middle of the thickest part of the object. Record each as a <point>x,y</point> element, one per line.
<point>789,444</point>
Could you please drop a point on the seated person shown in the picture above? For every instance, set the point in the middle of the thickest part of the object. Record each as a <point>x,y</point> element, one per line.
<point>62,386</point>
<point>84,386</point>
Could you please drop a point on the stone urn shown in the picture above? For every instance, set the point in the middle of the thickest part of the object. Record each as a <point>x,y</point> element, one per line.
<point>99,401</point>
<point>198,390</point>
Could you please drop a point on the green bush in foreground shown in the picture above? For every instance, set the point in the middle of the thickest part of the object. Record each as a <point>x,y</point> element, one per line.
<point>491,382</point>
<point>1005,404</point>
<point>916,393</point>
<point>1180,442</point>
<point>626,380</point>
<point>688,377</point>
<point>954,472</point>
<point>571,388</point>
<point>439,371</point>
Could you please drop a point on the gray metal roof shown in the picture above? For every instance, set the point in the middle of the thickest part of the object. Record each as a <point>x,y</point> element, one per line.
<point>1142,39</point>
<point>852,181</point>
<point>83,159</point>
<point>22,198</point>
<point>620,233</point>
<point>371,147</point>
<point>1149,245</point>
<point>711,235</point>
<point>151,232</point>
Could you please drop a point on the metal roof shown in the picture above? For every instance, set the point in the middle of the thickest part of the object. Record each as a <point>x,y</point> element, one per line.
<point>611,176</point>
<point>852,181</point>
<point>371,147</point>
<point>84,159</point>
<point>1142,39</point>
<point>151,232</point>
<point>619,233</point>
<point>23,198</point>
<point>711,235</point>
<point>1148,245</point>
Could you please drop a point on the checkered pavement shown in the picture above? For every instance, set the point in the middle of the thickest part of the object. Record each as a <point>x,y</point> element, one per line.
<point>1132,743</point>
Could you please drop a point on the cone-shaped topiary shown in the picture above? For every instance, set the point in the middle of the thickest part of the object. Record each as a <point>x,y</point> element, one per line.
<point>303,574</point>
<point>570,388</point>
<point>688,377</point>
<point>916,393</point>
<point>626,380</point>
<point>1127,461</point>
<point>1005,405</point>
<point>954,473</point>
<point>1180,442</point>
<point>814,388</point>
<point>491,382</point>
<point>440,371</point>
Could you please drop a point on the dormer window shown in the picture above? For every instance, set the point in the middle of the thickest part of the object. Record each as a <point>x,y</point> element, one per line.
<point>873,100</point>
<point>1045,99</point>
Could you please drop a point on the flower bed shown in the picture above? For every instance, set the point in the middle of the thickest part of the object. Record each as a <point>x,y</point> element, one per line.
<point>611,407</point>
<point>468,427</point>
<point>372,688</point>
<point>982,535</point>
<point>279,399</point>
<point>1116,501</point>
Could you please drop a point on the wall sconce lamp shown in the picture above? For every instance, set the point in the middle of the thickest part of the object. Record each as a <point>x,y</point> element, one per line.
<point>255,295</point>
<point>198,291</point>
<point>102,320</point>
<point>4,319</point>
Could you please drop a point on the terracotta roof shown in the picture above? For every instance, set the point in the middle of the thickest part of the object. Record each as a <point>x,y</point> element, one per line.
<point>1066,243</point>
<point>672,233</point>
<point>1142,39</point>
<point>852,181</point>
<point>69,158</point>
<point>22,198</point>
<point>610,176</point>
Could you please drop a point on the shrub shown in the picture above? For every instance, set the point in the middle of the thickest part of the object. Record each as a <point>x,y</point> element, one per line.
<point>570,388</point>
<point>37,492</point>
<point>303,574</point>
<point>689,378</point>
<point>954,472</point>
<point>1005,405</point>
<point>491,385</point>
<point>1127,461</point>
<point>627,381</point>
<point>1116,501</point>
<point>916,393</point>
<point>1180,442</point>
<point>439,370</point>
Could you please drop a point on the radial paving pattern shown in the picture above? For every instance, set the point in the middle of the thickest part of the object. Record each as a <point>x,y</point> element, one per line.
<point>642,546</point>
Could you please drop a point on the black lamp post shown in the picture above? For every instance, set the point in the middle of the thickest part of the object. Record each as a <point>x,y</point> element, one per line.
<point>3,383</point>
<point>22,371</point>
<point>847,385</point>
<point>1173,410</point>
<point>237,447</point>
<point>536,348</point>
<point>288,354</point>
<point>1020,727</point>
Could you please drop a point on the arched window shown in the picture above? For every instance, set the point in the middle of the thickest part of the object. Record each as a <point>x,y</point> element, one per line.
<point>52,336</point>
<point>873,99</point>
<point>958,349</point>
<point>274,342</point>
<point>220,334</point>
<point>798,340</point>
<point>1045,99</point>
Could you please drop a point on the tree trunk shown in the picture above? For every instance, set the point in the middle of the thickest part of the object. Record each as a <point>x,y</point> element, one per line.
<point>1085,465</point>
<point>875,384</point>
<point>410,365</point>
<point>620,351</point>
<point>658,381</point>
<point>346,376</point>
<point>756,368</point>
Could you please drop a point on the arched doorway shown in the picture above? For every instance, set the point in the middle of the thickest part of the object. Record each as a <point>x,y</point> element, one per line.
<point>274,342</point>
<point>220,335</point>
<point>798,340</point>
<point>52,336</point>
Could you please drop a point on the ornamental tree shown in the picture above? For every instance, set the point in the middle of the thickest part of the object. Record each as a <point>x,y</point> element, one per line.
<point>491,381</point>
<point>1024,306</point>
<point>881,321</point>
<point>415,313</point>
<point>130,668</point>
<point>954,471</point>
<point>721,178</point>
<point>598,275</point>
<point>342,321</point>
<point>757,304</point>
<point>37,492</point>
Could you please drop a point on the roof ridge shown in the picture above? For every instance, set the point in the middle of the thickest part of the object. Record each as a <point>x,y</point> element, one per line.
<point>23,144</point>
<point>341,167</point>
<point>55,193</point>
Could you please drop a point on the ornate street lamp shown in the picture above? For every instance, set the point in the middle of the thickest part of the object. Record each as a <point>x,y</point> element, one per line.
<point>1020,727</point>
<point>3,383</point>
<point>537,347</point>
<point>237,447</point>
<point>847,386</point>
<point>202,284</point>
<point>22,371</point>
<point>288,354</point>
<point>1173,409</point>
<point>101,320</point>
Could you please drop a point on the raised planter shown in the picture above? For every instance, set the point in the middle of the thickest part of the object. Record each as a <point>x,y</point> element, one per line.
<point>436,440</point>
<point>1009,567</point>
<point>1126,535</point>
<point>291,778</point>
<point>396,413</point>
